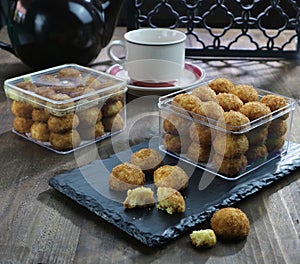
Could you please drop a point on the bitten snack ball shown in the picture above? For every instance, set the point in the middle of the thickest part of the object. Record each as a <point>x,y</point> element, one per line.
<point>170,200</point>
<point>139,197</point>
<point>230,224</point>
<point>205,238</point>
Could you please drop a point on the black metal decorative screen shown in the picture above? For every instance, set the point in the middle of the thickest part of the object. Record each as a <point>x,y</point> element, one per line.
<point>225,28</point>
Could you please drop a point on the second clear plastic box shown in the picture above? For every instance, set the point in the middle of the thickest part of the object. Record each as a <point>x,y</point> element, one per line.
<point>179,144</point>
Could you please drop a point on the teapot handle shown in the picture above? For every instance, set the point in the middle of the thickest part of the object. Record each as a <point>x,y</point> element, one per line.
<point>7,47</point>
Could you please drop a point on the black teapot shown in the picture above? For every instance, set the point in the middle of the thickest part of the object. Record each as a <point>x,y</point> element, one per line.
<point>45,33</point>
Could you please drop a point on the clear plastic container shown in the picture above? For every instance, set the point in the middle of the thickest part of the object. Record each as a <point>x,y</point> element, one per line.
<point>228,151</point>
<point>67,107</point>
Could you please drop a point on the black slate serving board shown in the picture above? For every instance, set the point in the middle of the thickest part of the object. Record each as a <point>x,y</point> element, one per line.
<point>88,186</point>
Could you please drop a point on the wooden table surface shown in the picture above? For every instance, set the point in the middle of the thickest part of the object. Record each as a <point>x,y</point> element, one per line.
<point>40,225</point>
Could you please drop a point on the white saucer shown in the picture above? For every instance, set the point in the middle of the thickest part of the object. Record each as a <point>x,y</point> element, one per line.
<point>192,74</point>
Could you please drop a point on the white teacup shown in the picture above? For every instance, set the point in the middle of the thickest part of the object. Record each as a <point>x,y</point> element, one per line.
<point>154,56</point>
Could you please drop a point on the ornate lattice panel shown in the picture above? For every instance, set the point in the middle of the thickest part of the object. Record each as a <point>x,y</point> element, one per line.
<point>225,28</point>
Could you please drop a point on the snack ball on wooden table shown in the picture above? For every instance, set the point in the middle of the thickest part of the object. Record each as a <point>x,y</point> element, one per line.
<point>126,176</point>
<point>147,159</point>
<point>171,176</point>
<point>204,238</point>
<point>230,224</point>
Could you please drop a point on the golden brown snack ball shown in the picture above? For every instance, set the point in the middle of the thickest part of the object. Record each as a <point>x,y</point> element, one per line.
<point>65,141</point>
<point>277,128</point>
<point>39,131</point>
<point>257,136</point>
<point>90,116</point>
<point>147,159</point>
<point>126,176</point>
<point>170,200</point>
<point>247,93</point>
<point>229,166</point>
<point>205,93</point>
<point>221,85</point>
<point>21,109</point>
<point>22,125</point>
<point>70,74</point>
<point>47,80</point>
<point>62,124</point>
<point>254,110</point>
<point>186,101</point>
<point>229,101</point>
<point>171,176</point>
<point>26,85</point>
<point>176,125</point>
<point>176,144</point>
<point>230,224</point>
<point>230,145</point>
<point>275,102</point>
<point>199,153</point>
<point>113,123</point>
<point>233,121</point>
<point>90,131</point>
<point>257,153</point>
<point>200,133</point>
<point>208,111</point>
<point>274,144</point>
<point>40,115</point>
<point>111,109</point>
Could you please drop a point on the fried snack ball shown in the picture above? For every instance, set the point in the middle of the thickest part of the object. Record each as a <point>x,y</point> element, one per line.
<point>45,91</point>
<point>176,144</point>
<point>126,176</point>
<point>59,109</point>
<point>229,101</point>
<point>230,224</point>
<point>62,124</point>
<point>275,102</point>
<point>171,176</point>
<point>254,110</point>
<point>113,123</point>
<point>198,152</point>
<point>176,125</point>
<point>204,238</point>
<point>91,131</point>
<point>147,159</point>
<point>47,80</point>
<point>257,153</point>
<point>230,166</point>
<point>26,85</point>
<point>21,109</point>
<point>277,128</point>
<point>70,74</point>
<point>139,197</point>
<point>233,121</point>
<point>230,145</point>
<point>208,110</point>
<point>40,115</point>
<point>257,136</point>
<point>186,101</point>
<point>205,93</point>
<point>170,200</point>
<point>201,134</point>
<point>274,144</point>
<point>111,109</point>
<point>245,92</point>
<point>89,116</point>
<point>39,131</point>
<point>65,141</point>
<point>22,125</point>
<point>221,85</point>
